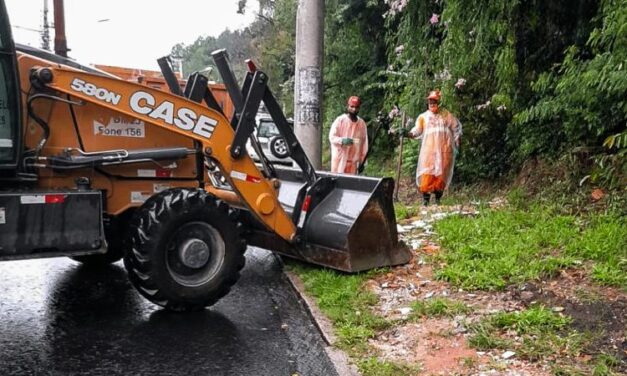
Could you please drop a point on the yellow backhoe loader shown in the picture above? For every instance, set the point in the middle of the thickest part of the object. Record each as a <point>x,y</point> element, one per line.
<point>97,168</point>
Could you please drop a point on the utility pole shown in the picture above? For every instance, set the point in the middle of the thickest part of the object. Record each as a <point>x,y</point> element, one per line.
<point>60,41</point>
<point>45,33</point>
<point>308,80</point>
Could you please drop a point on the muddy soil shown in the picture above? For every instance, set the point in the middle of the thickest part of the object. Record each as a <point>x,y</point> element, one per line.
<point>439,346</point>
<point>599,311</point>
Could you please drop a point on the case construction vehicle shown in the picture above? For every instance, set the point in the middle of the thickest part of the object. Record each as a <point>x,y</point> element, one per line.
<point>97,168</point>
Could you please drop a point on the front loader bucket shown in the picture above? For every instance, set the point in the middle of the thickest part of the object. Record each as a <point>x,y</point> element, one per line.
<point>352,229</point>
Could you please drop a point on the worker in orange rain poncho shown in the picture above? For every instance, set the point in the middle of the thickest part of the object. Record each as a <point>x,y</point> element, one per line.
<point>441,134</point>
<point>349,140</point>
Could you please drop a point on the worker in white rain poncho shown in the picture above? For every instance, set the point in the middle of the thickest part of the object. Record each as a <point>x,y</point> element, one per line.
<point>349,140</point>
<point>440,132</point>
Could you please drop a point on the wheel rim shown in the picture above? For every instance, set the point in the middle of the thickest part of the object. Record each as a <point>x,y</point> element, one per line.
<point>280,147</point>
<point>195,254</point>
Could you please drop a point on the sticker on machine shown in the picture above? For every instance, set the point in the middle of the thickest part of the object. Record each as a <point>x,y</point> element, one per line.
<point>120,127</point>
<point>139,197</point>
<point>152,173</point>
<point>3,216</point>
<point>245,177</point>
<point>33,199</point>
<point>6,143</point>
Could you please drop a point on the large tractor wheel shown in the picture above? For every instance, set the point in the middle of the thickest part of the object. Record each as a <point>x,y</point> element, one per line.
<point>186,251</point>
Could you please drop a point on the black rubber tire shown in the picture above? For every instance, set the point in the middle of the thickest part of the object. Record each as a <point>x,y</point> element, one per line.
<point>278,147</point>
<point>159,231</point>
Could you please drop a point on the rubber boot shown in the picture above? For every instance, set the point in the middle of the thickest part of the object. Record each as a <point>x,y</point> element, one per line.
<point>438,196</point>
<point>425,199</point>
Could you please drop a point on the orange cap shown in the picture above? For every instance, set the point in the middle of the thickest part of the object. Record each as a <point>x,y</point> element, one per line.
<point>435,94</point>
<point>354,101</point>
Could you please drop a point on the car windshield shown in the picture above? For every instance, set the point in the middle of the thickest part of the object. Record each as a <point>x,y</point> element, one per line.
<point>267,128</point>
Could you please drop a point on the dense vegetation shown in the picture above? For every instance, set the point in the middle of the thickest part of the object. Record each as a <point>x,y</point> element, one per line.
<point>528,79</point>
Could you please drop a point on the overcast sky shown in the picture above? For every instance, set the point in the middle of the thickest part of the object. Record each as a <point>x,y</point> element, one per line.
<point>129,33</point>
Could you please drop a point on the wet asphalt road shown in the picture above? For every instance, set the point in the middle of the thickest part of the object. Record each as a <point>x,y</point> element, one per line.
<point>58,317</point>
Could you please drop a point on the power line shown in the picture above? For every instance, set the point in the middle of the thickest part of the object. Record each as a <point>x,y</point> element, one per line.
<point>27,28</point>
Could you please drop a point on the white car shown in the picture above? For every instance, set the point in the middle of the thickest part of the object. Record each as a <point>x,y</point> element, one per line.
<point>272,144</point>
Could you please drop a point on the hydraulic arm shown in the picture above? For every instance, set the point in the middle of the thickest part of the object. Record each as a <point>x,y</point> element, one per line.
<point>183,116</point>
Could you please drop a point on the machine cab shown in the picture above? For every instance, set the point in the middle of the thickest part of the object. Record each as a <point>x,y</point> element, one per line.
<point>10,135</point>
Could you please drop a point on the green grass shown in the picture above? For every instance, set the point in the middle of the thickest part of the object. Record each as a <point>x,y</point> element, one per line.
<point>485,337</point>
<point>606,365</point>
<point>380,168</point>
<point>342,298</point>
<point>603,365</point>
<point>511,246</point>
<point>374,367</point>
<point>604,240</point>
<point>517,198</point>
<point>437,307</point>
<point>404,211</point>
<point>533,320</point>
<point>541,332</point>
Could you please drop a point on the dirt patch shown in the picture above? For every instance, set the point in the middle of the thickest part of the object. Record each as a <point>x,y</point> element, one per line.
<point>439,345</point>
<point>408,193</point>
<point>431,343</point>
<point>599,311</point>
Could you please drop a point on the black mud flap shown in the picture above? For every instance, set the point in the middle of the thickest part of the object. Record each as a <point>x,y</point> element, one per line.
<point>36,224</point>
<point>352,229</point>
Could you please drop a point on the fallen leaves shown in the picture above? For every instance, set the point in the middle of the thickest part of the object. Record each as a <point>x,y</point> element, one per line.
<point>431,249</point>
<point>597,194</point>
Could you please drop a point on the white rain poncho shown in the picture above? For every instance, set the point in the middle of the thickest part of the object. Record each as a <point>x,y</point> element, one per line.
<point>440,133</point>
<point>346,158</point>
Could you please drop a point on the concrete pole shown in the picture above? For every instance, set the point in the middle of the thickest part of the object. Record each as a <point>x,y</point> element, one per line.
<point>308,80</point>
<point>45,34</point>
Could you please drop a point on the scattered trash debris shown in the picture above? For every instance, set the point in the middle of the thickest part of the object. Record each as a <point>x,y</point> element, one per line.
<point>405,311</point>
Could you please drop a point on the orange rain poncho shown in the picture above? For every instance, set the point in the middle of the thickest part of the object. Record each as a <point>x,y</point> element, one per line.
<point>345,159</point>
<point>440,133</point>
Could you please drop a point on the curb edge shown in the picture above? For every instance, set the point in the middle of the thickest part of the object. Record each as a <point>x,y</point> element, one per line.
<point>340,359</point>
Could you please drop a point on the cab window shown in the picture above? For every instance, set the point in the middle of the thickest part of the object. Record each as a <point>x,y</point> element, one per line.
<point>6,134</point>
<point>8,92</point>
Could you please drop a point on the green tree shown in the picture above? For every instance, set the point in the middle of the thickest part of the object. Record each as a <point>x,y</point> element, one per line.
<point>197,56</point>
<point>527,78</point>
<point>355,53</point>
<point>582,100</point>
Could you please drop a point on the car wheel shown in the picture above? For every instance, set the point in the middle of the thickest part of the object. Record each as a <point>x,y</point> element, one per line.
<point>278,147</point>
